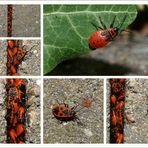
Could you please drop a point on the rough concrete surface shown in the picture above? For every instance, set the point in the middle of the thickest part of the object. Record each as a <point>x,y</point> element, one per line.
<point>3,57</point>
<point>3,21</point>
<point>31,62</point>
<point>32,114</point>
<point>25,22</point>
<point>70,91</point>
<point>131,54</point>
<point>3,122</point>
<point>136,112</point>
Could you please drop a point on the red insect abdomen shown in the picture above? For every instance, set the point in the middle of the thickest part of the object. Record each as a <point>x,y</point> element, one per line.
<point>96,40</point>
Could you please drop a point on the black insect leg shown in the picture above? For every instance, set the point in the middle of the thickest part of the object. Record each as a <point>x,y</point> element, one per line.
<point>97,27</point>
<point>102,23</point>
<point>76,119</point>
<point>112,24</point>
<point>123,20</point>
<point>66,105</point>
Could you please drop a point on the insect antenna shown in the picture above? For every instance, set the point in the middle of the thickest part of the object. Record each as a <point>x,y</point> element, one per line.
<point>102,23</point>
<point>123,20</point>
<point>80,109</point>
<point>97,27</point>
<point>112,24</point>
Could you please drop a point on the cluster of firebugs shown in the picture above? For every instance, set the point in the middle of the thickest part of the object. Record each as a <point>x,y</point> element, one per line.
<point>16,110</point>
<point>117,100</point>
<point>15,55</point>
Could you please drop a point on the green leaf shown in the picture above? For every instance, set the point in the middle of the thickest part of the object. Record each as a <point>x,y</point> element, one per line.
<point>67,28</point>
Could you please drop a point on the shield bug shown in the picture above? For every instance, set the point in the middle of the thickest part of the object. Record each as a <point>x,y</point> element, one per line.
<point>64,112</point>
<point>104,35</point>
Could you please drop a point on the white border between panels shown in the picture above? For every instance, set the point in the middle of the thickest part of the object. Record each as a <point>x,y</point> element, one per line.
<point>41,2</point>
<point>34,2</point>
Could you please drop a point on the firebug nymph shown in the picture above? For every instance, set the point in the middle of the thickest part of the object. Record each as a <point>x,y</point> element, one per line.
<point>102,37</point>
<point>64,113</point>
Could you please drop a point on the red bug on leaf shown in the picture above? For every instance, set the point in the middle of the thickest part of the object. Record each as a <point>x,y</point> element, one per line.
<point>102,37</point>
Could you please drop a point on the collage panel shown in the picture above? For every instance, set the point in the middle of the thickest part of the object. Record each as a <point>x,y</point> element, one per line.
<point>73,111</point>
<point>20,57</point>
<point>127,111</point>
<point>20,111</point>
<point>19,20</point>
<point>95,39</point>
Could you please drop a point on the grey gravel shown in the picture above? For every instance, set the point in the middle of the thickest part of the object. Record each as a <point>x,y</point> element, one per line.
<point>136,112</point>
<point>25,23</point>
<point>70,91</point>
<point>3,21</point>
<point>3,57</point>
<point>3,122</point>
<point>33,112</point>
<point>32,60</point>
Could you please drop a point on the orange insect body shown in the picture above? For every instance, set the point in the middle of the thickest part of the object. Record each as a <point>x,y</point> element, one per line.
<point>113,99</point>
<point>122,80</point>
<point>121,104</point>
<point>117,110</point>
<point>20,129</point>
<point>15,104</point>
<point>21,114</point>
<point>15,55</point>
<point>119,138</point>
<point>14,121</point>
<point>114,119</point>
<point>13,135</point>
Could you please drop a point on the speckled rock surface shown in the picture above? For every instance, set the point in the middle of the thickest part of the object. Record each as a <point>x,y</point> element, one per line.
<point>3,122</point>
<point>3,57</point>
<point>70,91</point>
<point>136,111</point>
<point>32,115</point>
<point>25,23</point>
<point>108,111</point>
<point>33,111</point>
<point>3,21</point>
<point>30,65</point>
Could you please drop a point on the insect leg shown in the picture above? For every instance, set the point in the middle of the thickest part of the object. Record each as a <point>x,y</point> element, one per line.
<point>123,20</point>
<point>97,27</point>
<point>104,26</point>
<point>112,24</point>
<point>66,105</point>
<point>57,101</point>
